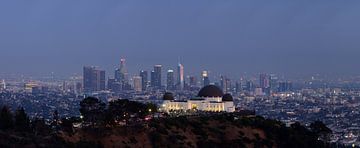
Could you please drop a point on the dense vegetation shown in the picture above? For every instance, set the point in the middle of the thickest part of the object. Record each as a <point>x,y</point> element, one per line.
<point>121,124</point>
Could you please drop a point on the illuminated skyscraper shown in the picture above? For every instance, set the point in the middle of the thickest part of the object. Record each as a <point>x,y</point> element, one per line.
<point>225,84</point>
<point>3,84</point>
<point>156,77</point>
<point>137,83</point>
<point>273,82</point>
<point>264,81</point>
<point>170,81</point>
<point>121,74</point>
<point>205,78</point>
<point>180,76</point>
<point>94,79</point>
<point>144,79</point>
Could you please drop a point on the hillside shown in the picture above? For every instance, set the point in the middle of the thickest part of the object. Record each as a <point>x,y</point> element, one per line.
<point>225,130</point>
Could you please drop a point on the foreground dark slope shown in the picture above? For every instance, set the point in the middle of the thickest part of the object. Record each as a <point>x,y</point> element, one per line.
<point>226,130</point>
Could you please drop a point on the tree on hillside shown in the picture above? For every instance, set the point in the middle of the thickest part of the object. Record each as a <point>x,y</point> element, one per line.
<point>124,109</point>
<point>320,130</point>
<point>6,118</point>
<point>92,110</point>
<point>22,121</point>
<point>39,127</point>
<point>151,108</point>
<point>55,123</point>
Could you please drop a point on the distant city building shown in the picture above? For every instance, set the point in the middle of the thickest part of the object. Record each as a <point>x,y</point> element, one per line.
<point>114,85</point>
<point>32,87</point>
<point>170,81</point>
<point>250,86</point>
<point>137,83</point>
<point>210,98</point>
<point>258,91</point>
<point>144,79</point>
<point>264,81</point>
<point>121,75</point>
<point>238,87</point>
<point>192,81</point>
<point>3,83</point>
<point>285,86</point>
<point>205,78</point>
<point>156,77</point>
<point>225,84</point>
<point>180,76</point>
<point>274,82</point>
<point>94,79</point>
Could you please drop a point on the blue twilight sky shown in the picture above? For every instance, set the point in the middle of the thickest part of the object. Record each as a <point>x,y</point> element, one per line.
<point>224,36</point>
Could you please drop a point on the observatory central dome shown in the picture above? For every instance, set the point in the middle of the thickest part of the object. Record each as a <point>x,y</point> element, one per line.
<point>211,91</point>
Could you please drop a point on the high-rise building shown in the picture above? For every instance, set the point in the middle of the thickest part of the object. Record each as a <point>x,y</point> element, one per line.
<point>94,79</point>
<point>3,84</point>
<point>156,77</point>
<point>137,83</point>
<point>273,82</point>
<point>180,76</point>
<point>264,81</point>
<point>285,86</point>
<point>170,81</point>
<point>238,87</point>
<point>225,84</point>
<point>250,86</point>
<point>205,78</point>
<point>192,81</point>
<point>121,75</point>
<point>114,85</point>
<point>144,79</point>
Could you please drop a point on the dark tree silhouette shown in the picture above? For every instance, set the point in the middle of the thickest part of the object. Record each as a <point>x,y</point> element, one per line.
<point>39,127</point>
<point>55,123</point>
<point>67,125</point>
<point>22,121</point>
<point>321,130</point>
<point>92,110</point>
<point>6,118</point>
<point>151,108</point>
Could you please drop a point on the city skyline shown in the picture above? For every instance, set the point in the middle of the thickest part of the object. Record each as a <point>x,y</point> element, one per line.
<point>233,37</point>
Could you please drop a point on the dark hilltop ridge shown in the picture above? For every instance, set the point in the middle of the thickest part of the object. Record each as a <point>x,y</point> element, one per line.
<point>124,123</point>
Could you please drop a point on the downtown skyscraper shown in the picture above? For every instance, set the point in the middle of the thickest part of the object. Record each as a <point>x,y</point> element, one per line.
<point>205,78</point>
<point>180,76</point>
<point>121,75</point>
<point>144,79</point>
<point>156,77</point>
<point>170,80</point>
<point>94,79</point>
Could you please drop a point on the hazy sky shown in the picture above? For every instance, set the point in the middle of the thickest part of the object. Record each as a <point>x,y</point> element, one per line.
<point>230,37</point>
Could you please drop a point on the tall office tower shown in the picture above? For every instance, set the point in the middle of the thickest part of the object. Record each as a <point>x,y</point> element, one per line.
<point>114,85</point>
<point>285,86</point>
<point>94,79</point>
<point>273,82</point>
<point>250,86</point>
<point>192,81</point>
<point>225,84</point>
<point>264,81</point>
<point>3,84</point>
<point>228,85</point>
<point>205,78</point>
<point>170,81</point>
<point>121,74</point>
<point>238,87</point>
<point>144,79</point>
<point>137,83</point>
<point>180,76</point>
<point>156,77</point>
